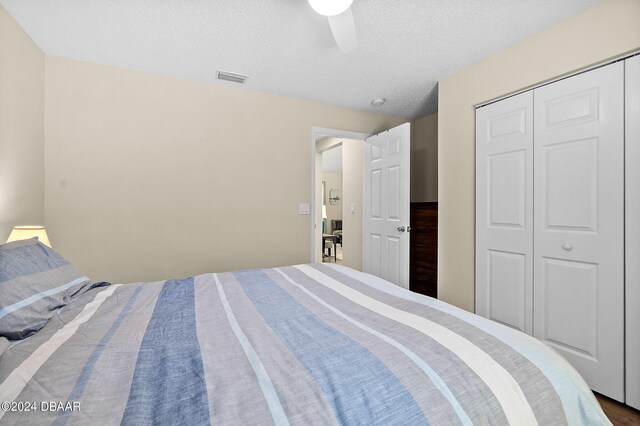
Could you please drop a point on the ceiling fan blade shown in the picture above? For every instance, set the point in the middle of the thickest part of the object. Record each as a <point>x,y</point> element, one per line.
<point>343,28</point>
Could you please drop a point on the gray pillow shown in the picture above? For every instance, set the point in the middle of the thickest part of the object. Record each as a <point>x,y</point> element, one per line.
<point>34,282</point>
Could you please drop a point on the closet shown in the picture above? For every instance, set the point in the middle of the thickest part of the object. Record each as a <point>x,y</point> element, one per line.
<point>551,226</point>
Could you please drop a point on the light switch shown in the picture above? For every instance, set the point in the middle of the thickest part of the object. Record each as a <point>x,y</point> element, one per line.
<point>303,208</point>
<point>353,208</point>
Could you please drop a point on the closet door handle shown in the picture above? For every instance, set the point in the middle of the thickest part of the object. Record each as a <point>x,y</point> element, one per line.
<point>567,246</point>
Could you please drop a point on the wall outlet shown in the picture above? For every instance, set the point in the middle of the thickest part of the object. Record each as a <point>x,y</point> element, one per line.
<point>303,208</point>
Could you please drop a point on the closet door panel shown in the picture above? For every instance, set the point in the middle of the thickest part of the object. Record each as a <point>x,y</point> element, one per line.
<point>579,223</point>
<point>575,281</point>
<point>632,232</point>
<point>504,226</point>
<point>571,185</point>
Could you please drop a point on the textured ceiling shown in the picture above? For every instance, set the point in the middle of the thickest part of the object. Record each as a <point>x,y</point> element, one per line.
<point>404,46</point>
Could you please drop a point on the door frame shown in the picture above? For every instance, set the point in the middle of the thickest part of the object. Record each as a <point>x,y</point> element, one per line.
<point>318,133</point>
<point>632,237</point>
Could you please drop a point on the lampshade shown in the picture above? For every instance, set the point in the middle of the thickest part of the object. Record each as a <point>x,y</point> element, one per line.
<point>29,231</point>
<point>324,211</point>
<point>330,7</point>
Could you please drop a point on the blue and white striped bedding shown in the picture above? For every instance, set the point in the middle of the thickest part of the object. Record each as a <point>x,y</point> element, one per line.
<point>306,344</point>
<point>34,282</point>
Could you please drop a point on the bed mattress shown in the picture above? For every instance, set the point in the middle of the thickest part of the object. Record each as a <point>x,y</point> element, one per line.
<point>305,344</point>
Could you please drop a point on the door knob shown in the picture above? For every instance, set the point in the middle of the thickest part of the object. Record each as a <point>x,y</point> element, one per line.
<point>567,246</point>
<point>401,228</point>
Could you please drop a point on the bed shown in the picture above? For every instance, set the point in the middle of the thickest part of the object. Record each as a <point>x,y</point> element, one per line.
<point>304,344</point>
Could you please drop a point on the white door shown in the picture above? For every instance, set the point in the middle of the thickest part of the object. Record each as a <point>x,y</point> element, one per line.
<point>579,223</point>
<point>386,205</point>
<point>504,212</point>
<point>632,237</point>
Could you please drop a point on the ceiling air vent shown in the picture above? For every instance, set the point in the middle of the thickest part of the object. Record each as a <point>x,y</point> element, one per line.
<point>231,76</point>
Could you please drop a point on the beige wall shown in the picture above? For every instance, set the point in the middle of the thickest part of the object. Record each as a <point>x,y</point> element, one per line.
<point>352,192</point>
<point>21,128</point>
<point>424,159</point>
<point>606,30</point>
<point>149,177</point>
<point>334,211</point>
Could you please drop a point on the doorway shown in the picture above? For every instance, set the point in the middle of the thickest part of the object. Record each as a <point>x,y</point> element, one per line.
<point>332,203</point>
<point>340,195</point>
<point>378,240</point>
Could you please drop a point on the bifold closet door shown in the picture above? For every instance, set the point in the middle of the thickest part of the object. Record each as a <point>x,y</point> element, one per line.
<point>504,207</point>
<point>579,223</point>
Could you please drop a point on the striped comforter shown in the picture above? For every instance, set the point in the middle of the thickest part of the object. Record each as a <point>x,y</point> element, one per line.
<point>306,344</point>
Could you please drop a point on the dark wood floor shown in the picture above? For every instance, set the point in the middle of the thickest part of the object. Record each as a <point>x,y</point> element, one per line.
<point>618,413</point>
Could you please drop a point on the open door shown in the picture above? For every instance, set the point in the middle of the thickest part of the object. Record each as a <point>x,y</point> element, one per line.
<point>386,205</point>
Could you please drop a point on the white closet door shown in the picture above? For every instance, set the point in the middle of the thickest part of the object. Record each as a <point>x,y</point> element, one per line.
<point>504,211</point>
<point>632,205</point>
<point>579,223</point>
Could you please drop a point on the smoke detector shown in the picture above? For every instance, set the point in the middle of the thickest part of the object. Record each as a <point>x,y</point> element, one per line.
<point>378,102</point>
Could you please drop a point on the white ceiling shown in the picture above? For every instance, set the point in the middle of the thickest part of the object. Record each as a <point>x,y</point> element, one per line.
<point>404,46</point>
<point>332,160</point>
